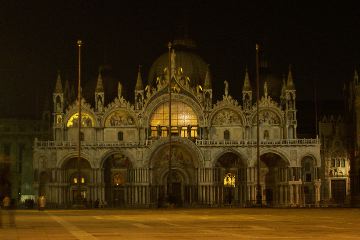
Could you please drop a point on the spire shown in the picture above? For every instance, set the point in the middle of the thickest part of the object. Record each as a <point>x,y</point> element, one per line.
<point>207,81</point>
<point>119,90</point>
<point>58,86</point>
<point>173,62</point>
<point>247,86</point>
<point>99,84</point>
<point>283,88</point>
<point>139,83</point>
<point>356,77</point>
<point>290,81</point>
<point>265,89</point>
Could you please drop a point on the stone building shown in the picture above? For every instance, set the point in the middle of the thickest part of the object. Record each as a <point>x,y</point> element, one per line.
<point>129,160</point>
<point>16,155</point>
<point>335,156</point>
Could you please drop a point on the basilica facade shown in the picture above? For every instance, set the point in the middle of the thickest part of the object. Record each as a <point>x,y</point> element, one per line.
<point>174,143</point>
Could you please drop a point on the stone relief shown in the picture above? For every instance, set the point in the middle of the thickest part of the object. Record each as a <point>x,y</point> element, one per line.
<point>268,117</point>
<point>226,117</point>
<point>120,161</point>
<point>119,118</point>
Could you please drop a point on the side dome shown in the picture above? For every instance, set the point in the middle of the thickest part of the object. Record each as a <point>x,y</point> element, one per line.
<point>192,64</point>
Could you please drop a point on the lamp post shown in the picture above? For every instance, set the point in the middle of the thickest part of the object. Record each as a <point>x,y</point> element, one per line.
<point>258,186</point>
<point>79,43</point>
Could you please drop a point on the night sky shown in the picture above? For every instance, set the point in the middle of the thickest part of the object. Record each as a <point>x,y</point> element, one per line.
<point>320,40</point>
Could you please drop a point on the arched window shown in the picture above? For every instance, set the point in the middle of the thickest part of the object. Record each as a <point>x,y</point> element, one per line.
<point>182,115</point>
<point>120,136</point>
<point>226,135</point>
<point>342,162</point>
<point>307,165</point>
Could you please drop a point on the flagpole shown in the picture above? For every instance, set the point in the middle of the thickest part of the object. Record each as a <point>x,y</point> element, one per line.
<point>169,197</point>
<point>258,188</point>
<point>79,43</point>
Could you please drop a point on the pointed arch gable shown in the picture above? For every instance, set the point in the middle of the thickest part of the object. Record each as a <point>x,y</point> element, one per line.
<point>184,99</point>
<point>268,115</point>
<point>119,117</point>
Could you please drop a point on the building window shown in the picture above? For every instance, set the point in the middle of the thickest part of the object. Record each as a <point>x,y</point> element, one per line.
<point>332,162</point>
<point>82,136</point>
<point>229,180</point>
<point>120,136</point>
<point>75,180</point>
<point>182,115</point>
<point>266,135</point>
<point>226,135</point>
<point>342,162</point>
<point>308,177</point>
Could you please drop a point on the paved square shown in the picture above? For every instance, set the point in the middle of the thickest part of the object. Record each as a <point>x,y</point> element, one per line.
<point>181,224</point>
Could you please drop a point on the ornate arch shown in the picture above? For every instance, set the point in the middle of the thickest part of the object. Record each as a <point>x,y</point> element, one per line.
<point>109,153</point>
<point>309,155</point>
<point>119,117</point>
<point>281,154</point>
<point>86,110</point>
<point>165,173</point>
<point>163,142</point>
<point>229,115</point>
<point>272,116</point>
<point>63,160</point>
<point>194,105</point>
<point>229,150</point>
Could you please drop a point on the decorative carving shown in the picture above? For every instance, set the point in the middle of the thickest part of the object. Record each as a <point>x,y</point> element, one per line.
<point>119,118</point>
<point>226,117</point>
<point>268,117</point>
<point>86,120</point>
<point>118,179</point>
<point>120,161</point>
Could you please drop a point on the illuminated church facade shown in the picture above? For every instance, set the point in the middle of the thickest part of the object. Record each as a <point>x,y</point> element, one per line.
<point>129,160</point>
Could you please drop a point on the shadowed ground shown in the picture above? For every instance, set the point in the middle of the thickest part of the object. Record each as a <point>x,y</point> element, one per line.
<point>329,223</point>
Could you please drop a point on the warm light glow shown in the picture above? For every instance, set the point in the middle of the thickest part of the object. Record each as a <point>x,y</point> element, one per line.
<point>229,180</point>
<point>181,115</point>
<point>86,120</point>
<point>75,180</point>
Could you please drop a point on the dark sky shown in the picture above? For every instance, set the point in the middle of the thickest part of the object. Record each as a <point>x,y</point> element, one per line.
<point>320,40</point>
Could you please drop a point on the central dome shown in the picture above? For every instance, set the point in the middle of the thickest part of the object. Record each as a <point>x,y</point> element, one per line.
<point>192,64</point>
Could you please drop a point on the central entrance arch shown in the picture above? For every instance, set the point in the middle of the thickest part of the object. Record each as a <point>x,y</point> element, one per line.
<point>174,182</point>
<point>78,174</point>
<point>232,169</point>
<point>273,172</point>
<point>116,168</point>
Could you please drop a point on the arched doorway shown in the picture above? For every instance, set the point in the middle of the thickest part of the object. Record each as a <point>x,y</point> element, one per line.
<point>273,173</point>
<point>43,183</point>
<point>174,179</point>
<point>232,171</point>
<point>308,171</point>
<point>78,174</point>
<point>116,170</point>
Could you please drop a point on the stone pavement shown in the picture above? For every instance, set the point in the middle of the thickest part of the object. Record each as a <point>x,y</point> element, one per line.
<point>329,223</point>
